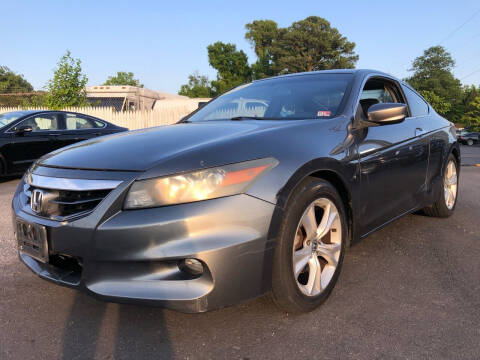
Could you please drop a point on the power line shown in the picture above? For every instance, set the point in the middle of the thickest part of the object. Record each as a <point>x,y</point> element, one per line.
<point>460,26</point>
<point>472,73</point>
<point>457,29</point>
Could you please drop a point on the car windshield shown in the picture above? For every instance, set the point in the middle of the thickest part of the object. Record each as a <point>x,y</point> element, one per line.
<point>10,117</point>
<point>315,96</point>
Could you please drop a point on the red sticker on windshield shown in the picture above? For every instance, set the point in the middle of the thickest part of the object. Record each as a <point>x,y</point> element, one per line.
<point>324,113</point>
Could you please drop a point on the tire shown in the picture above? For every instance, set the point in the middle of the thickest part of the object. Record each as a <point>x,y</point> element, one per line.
<point>298,293</point>
<point>469,142</point>
<point>440,208</point>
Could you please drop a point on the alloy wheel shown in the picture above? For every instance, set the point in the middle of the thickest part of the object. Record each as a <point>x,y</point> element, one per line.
<point>317,246</point>
<point>450,184</point>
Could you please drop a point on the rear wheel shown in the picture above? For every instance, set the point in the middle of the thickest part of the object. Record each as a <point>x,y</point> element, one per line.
<point>447,199</point>
<point>310,248</point>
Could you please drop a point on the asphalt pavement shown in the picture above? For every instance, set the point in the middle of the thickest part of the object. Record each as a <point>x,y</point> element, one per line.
<point>470,155</point>
<point>409,291</point>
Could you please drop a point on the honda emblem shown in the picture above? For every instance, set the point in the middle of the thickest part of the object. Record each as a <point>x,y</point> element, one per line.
<point>36,200</point>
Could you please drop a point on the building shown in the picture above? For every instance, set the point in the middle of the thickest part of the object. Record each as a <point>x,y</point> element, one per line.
<point>127,97</point>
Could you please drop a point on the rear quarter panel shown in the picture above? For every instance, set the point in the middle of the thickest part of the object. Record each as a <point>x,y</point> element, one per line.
<point>443,140</point>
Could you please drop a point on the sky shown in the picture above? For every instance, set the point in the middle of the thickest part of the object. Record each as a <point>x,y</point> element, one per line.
<point>162,42</point>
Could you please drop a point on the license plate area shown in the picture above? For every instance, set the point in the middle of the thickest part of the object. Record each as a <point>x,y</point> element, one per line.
<point>32,240</point>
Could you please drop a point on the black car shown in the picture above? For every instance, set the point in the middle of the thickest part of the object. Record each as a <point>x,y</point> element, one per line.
<point>27,135</point>
<point>261,190</point>
<point>469,139</point>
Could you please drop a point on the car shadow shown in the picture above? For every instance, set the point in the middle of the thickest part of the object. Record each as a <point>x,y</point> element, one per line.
<point>96,329</point>
<point>114,331</point>
<point>4,179</point>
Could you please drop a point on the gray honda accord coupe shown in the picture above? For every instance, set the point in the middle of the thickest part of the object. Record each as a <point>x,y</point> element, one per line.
<point>261,190</point>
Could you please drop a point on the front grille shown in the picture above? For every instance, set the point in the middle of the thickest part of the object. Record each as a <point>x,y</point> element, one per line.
<point>61,203</point>
<point>74,202</point>
<point>70,199</point>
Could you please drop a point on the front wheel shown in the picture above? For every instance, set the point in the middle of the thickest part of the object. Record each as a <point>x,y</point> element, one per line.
<point>310,247</point>
<point>469,142</point>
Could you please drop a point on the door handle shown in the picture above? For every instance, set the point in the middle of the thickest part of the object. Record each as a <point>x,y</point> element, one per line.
<point>419,131</point>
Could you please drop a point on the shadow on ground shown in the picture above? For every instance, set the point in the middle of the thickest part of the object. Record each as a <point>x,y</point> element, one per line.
<point>94,327</point>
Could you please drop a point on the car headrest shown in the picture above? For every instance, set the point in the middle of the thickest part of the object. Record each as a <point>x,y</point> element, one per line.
<point>366,103</point>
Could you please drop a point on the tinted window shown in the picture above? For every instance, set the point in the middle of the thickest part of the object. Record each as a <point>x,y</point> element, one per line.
<point>78,122</point>
<point>41,122</point>
<point>9,117</point>
<point>382,95</point>
<point>295,97</point>
<point>378,91</point>
<point>418,107</point>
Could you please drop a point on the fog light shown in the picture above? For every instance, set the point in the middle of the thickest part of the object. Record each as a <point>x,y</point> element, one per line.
<point>192,266</point>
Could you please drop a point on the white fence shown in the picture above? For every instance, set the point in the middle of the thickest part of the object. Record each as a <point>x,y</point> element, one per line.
<point>166,112</point>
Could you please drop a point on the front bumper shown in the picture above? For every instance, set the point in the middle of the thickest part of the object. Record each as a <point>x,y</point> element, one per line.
<point>133,256</point>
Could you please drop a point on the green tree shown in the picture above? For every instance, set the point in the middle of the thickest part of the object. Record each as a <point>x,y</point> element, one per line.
<point>198,87</point>
<point>263,36</point>
<point>307,45</point>
<point>471,117</point>
<point>67,88</point>
<point>123,78</point>
<point>469,93</point>
<point>433,72</point>
<point>13,83</point>
<point>35,100</point>
<point>439,104</point>
<point>231,65</point>
<point>312,44</point>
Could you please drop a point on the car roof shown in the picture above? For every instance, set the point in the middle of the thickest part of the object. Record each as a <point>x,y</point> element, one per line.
<point>30,112</point>
<point>332,71</point>
<point>25,113</point>
<point>22,112</point>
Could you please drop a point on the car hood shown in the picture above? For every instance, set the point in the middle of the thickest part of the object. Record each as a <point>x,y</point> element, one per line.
<point>142,149</point>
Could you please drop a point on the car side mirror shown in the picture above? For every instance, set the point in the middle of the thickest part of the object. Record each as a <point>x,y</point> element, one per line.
<point>387,113</point>
<point>23,129</point>
<point>201,104</point>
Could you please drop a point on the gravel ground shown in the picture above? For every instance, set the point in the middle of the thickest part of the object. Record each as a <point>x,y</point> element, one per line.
<point>411,290</point>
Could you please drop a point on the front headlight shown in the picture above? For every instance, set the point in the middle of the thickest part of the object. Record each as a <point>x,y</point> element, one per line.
<point>198,185</point>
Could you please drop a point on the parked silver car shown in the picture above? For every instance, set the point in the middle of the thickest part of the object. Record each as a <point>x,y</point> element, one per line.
<point>237,201</point>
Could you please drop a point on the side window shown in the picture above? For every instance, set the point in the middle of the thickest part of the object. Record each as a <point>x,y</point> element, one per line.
<point>377,91</point>
<point>41,122</point>
<point>418,107</point>
<point>78,122</point>
<point>382,95</point>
